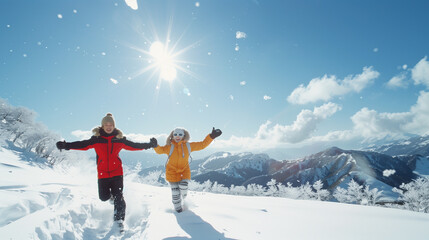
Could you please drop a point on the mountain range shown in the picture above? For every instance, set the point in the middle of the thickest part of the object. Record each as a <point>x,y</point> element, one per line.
<point>382,167</point>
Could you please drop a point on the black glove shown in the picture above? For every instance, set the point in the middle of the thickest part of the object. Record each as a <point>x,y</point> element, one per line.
<point>62,145</point>
<point>215,133</point>
<point>153,143</point>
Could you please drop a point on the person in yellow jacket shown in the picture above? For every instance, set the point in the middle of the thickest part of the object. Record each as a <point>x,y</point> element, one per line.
<point>177,170</point>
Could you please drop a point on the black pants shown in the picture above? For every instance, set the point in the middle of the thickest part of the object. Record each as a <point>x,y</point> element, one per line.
<point>112,188</point>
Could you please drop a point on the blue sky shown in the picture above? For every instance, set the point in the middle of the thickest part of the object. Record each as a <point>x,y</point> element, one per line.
<point>284,77</point>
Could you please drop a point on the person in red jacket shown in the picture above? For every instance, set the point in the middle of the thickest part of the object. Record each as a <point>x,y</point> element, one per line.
<point>108,141</point>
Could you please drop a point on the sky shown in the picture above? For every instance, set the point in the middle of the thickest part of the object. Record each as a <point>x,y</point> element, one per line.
<point>289,78</point>
<point>40,203</point>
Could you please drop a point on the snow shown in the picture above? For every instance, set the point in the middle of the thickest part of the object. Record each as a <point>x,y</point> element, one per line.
<point>53,203</point>
<point>388,172</point>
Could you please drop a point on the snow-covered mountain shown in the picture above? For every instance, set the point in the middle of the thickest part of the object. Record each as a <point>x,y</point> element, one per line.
<point>334,167</point>
<point>228,169</point>
<point>44,202</point>
<point>413,146</point>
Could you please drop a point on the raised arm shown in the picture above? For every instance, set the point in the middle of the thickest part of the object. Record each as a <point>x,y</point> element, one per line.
<point>78,145</point>
<point>132,146</point>
<point>197,146</point>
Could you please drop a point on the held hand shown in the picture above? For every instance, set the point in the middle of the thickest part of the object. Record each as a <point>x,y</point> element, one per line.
<point>215,133</point>
<point>153,143</point>
<point>61,145</point>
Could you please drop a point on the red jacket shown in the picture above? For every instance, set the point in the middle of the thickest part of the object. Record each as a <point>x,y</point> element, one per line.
<point>107,148</point>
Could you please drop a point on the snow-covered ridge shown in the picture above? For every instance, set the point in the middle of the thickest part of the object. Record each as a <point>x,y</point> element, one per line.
<point>412,146</point>
<point>334,167</point>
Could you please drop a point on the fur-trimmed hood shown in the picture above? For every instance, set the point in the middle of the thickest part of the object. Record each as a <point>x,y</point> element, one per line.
<point>96,132</point>
<point>186,138</point>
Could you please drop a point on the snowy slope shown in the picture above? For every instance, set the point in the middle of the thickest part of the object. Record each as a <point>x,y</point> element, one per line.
<point>50,203</point>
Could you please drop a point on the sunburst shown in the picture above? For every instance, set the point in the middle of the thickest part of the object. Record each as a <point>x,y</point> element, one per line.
<point>163,59</point>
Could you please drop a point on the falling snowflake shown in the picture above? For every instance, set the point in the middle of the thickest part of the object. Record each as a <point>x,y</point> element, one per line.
<point>267,97</point>
<point>114,81</point>
<point>60,16</point>
<point>239,35</point>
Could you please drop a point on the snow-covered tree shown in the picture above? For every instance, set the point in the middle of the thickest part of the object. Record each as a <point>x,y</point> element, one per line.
<point>18,126</point>
<point>320,193</point>
<point>356,193</point>
<point>415,195</point>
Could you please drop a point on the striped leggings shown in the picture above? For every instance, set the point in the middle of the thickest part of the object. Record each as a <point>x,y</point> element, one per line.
<point>179,191</point>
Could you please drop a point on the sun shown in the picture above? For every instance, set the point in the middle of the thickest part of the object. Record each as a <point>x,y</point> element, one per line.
<point>163,61</point>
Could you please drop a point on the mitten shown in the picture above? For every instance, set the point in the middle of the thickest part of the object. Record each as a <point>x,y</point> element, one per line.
<point>153,143</point>
<point>215,133</point>
<point>62,145</point>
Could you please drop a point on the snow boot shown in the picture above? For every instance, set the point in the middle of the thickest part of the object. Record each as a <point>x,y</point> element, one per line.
<point>120,224</point>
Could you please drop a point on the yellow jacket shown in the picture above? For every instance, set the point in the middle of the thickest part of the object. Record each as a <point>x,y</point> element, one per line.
<point>177,167</point>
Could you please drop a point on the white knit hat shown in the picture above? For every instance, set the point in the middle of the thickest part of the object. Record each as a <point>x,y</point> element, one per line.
<point>108,118</point>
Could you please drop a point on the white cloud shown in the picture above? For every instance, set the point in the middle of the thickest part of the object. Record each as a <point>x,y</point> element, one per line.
<point>372,125</point>
<point>132,4</point>
<point>142,138</point>
<point>271,136</point>
<point>369,125</point>
<point>419,124</point>
<point>82,134</point>
<point>327,87</point>
<point>267,97</point>
<point>305,124</point>
<point>420,72</point>
<point>239,35</point>
<point>242,83</point>
<point>114,81</point>
<point>398,81</point>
